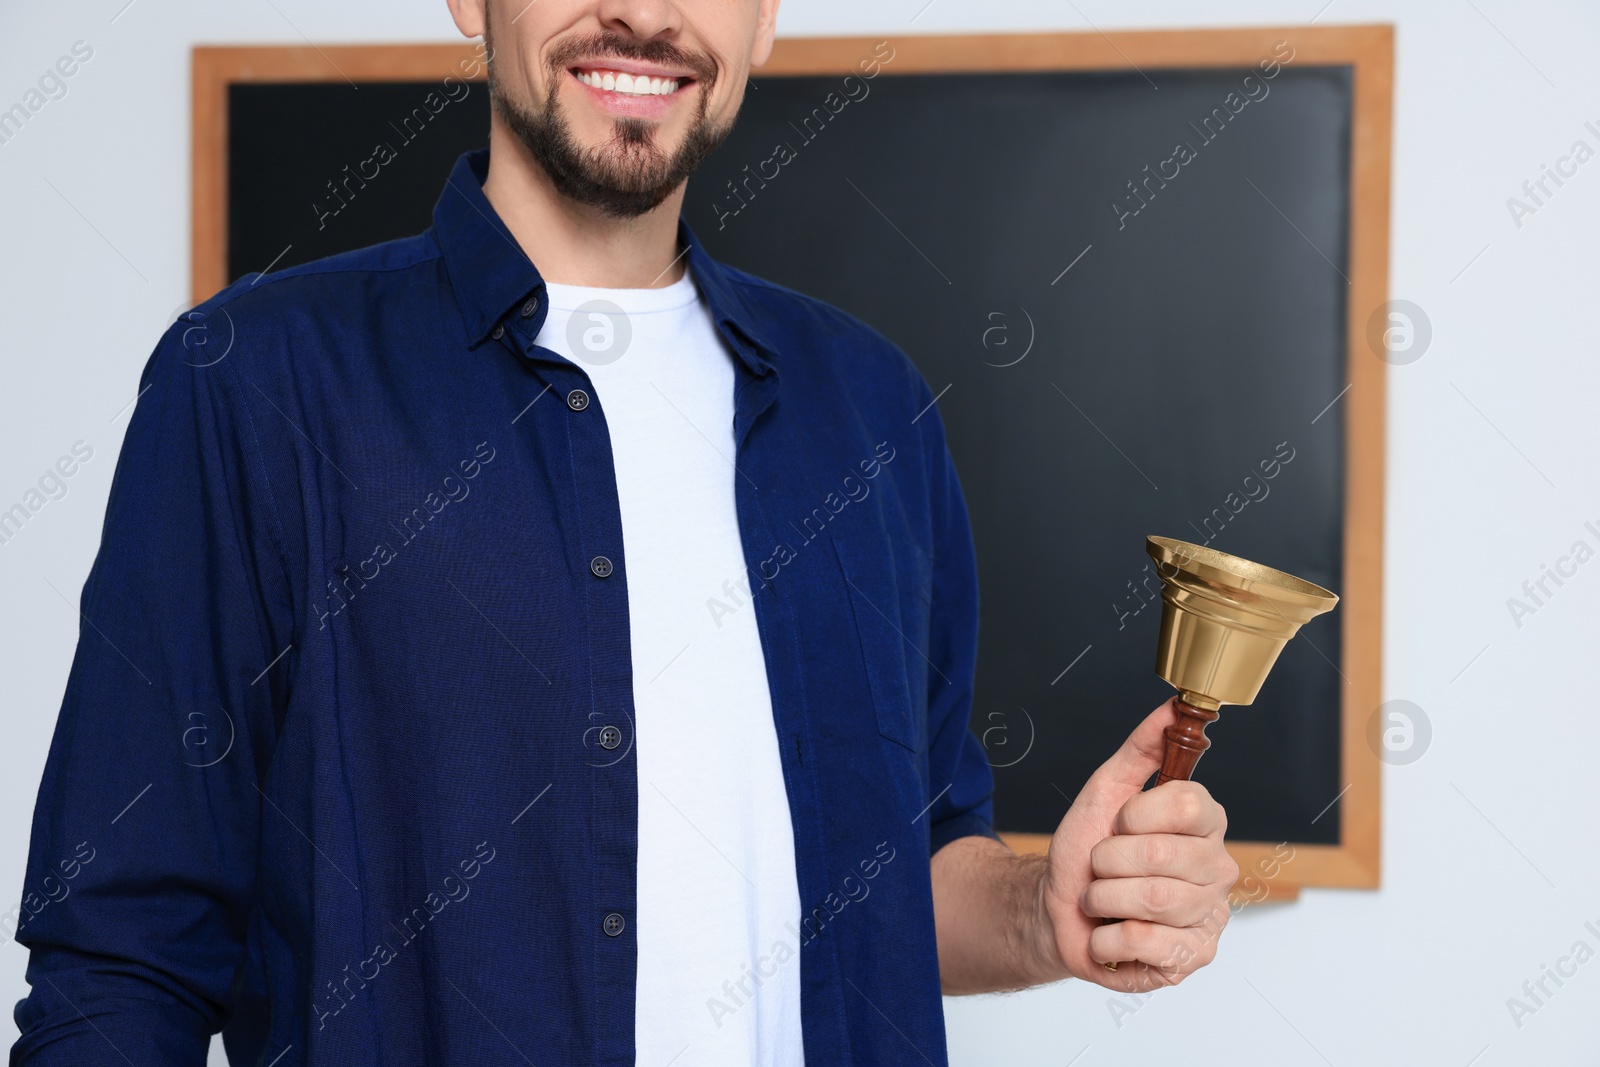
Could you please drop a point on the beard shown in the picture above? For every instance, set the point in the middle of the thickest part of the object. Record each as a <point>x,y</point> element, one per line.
<point>628,174</point>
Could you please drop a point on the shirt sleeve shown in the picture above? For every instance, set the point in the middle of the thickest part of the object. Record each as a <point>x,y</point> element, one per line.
<point>142,863</point>
<point>955,757</point>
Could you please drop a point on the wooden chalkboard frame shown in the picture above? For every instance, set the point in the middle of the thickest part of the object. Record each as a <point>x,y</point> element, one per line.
<point>1368,50</point>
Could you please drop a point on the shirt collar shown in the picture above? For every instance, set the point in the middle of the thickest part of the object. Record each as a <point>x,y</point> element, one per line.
<point>492,275</point>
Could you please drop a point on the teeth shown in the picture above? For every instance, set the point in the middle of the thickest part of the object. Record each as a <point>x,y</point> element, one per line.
<point>633,85</point>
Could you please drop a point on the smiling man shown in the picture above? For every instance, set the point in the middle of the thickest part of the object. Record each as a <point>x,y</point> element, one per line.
<point>533,641</point>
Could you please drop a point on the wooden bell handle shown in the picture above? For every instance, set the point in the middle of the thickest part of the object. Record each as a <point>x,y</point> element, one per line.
<point>1186,743</point>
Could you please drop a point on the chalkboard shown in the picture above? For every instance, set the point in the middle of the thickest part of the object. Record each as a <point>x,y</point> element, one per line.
<point>293,148</point>
<point>1132,286</point>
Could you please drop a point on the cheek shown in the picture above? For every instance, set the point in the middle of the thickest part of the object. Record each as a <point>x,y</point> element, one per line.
<point>727,97</point>
<point>520,74</point>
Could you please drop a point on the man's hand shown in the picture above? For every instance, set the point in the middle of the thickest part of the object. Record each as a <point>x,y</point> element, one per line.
<point>1154,859</point>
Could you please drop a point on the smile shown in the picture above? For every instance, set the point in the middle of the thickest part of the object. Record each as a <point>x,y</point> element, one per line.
<point>619,81</point>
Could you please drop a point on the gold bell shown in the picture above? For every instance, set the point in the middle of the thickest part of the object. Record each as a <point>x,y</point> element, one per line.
<point>1223,622</point>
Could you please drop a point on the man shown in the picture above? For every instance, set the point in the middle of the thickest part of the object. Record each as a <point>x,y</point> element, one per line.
<point>533,641</point>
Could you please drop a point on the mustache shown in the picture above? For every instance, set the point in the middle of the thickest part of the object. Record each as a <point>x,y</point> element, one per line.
<point>601,45</point>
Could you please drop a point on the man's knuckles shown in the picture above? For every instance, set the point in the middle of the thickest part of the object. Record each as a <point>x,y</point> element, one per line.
<point>1130,939</point>
<point>1168,901</point>
<point>1159,854</point>
<point>1161,955</point>
<point>1174,807</point>
<point>1201,860</point>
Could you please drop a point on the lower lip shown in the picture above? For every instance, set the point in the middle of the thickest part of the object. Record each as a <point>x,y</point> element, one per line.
<point>631,106</point>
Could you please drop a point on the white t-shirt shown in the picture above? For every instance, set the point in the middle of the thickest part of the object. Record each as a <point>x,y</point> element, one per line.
<point>718,905</point>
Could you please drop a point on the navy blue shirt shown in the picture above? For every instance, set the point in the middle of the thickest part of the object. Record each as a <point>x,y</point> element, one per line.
<point>344,765</point>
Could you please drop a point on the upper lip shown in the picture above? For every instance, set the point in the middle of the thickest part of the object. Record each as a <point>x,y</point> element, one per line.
<point>629,67</point>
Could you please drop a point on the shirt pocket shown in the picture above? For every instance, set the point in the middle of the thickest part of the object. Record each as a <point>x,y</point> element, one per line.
<point>890,599</point>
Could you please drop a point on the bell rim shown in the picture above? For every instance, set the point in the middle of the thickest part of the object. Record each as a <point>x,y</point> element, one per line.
<point>1235,572</point>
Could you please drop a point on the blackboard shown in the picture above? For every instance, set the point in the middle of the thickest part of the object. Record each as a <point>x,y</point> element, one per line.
<point>1126,338</point>
<point>288,142</point>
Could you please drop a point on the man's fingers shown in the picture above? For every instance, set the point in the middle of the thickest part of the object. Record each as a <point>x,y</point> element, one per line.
<point>1200,860</point>
<point>1173,951</point>
<point>1169,901</point>
<point>1172,808</point>
<point>1134,977</point>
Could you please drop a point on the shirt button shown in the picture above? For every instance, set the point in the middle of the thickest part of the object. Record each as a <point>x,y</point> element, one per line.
<point>530,307</point>
<point>610,737</point>
<point>600,566</point>
<point>577,400</point>
<point>499,332</point>
<point>613,924</point>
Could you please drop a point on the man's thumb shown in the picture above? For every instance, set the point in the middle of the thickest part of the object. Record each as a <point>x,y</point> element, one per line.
<point>1125,773</point>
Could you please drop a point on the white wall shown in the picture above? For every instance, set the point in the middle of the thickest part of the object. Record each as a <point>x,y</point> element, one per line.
<point>1490,852</point>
